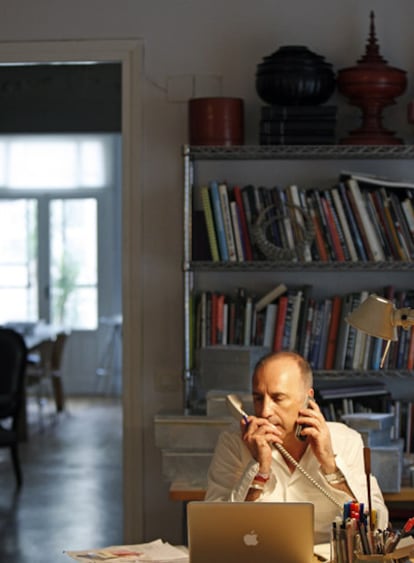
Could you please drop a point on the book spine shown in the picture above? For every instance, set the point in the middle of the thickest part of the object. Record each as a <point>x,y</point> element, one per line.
<point>208,214</point>
<point>219,222</point>
<point>374,244</point>
<point>333,333</point>
<point>280,323</point>
<point>238,197</point>
<point>321,250</point>
<point>297,212</point>
<point>270,324</point>
<point>335,238</point>
<point>344,223</point>
<point>235,219</point>
<point>354,227</point>
<point>228,227</point>
<point>270,296</point>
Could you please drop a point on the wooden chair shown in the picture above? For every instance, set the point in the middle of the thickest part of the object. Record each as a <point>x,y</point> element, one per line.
<point>13,355</point>
<point>44,368</point>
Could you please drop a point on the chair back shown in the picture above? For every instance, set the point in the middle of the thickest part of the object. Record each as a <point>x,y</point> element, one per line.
<point>57,351</point>
<point>13,355</point>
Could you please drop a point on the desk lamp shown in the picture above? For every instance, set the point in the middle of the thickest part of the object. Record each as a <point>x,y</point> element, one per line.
<point>379,317</point>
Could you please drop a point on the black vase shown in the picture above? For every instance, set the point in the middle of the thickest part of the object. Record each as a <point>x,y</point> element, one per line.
<point>294,75</point>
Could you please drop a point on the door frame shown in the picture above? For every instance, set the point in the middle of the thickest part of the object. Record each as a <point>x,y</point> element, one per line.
<point>130,54</point>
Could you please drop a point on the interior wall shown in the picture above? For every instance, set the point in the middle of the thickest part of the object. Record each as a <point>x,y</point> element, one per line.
<point>200,49</point>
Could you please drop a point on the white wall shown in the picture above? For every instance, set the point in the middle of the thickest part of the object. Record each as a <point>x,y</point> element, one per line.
<point>203,48</point>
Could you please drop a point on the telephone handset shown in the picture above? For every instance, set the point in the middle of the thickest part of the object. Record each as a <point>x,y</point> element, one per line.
<point>300,427</point>
<point>235,407</point>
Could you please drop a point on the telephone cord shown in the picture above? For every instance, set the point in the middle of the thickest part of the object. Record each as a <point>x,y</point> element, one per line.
<point>292,460</point>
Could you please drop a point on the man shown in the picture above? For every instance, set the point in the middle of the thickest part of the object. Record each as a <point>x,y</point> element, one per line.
<point>248,466</point>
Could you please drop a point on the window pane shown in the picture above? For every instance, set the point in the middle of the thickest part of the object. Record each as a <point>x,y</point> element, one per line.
<point>55,162</point>
<point>18,260</point>
<point>74,277</point>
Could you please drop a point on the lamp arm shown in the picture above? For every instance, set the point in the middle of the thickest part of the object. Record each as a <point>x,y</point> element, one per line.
<point>404,317</point>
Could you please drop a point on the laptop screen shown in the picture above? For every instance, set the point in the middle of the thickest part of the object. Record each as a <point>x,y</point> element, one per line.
<point>247,532</point>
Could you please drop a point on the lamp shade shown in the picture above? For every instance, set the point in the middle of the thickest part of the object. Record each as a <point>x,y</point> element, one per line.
<point>375,316</point>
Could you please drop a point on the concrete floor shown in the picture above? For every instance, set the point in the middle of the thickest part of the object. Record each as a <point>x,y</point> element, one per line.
<point>72,492</point>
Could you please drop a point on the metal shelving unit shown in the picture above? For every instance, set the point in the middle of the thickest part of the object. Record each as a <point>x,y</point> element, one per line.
<point>396,381</point>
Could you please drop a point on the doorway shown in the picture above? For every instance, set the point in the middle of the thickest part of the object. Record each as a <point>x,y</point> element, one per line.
<point>129,54</point>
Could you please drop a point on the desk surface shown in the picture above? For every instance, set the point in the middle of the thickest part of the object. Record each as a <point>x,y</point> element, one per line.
<point>182,491</point>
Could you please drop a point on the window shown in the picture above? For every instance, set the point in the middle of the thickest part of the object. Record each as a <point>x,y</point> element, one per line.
<point>51,188</point>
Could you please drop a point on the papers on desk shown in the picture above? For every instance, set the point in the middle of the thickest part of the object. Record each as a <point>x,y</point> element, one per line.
<point>156,551</point>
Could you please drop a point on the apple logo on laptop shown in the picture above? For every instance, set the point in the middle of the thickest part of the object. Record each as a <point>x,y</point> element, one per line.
<point>250,539</point>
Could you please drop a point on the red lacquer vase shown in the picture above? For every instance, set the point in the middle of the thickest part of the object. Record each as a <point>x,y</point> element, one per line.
<point>371,85</point>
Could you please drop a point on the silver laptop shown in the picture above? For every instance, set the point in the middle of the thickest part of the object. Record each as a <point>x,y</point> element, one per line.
<point>250,532</point>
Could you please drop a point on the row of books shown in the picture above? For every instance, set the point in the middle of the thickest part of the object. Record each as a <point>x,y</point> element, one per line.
<point>292,319</point>
<point>361,218</point>
<point>308,125</point>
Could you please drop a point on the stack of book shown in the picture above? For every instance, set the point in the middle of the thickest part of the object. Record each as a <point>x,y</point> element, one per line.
<point>360,218</point>
<point>292,318</point>
<point>298,125</point>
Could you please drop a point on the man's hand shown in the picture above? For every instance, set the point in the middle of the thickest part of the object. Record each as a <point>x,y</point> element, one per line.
<point>259,434</point>
<point>318,436</point>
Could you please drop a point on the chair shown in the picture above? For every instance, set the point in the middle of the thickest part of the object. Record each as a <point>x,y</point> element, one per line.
<point>44,367</point>
<point>13,354</point>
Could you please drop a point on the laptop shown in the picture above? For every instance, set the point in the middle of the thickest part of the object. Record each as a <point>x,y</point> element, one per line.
<point>250,532</point>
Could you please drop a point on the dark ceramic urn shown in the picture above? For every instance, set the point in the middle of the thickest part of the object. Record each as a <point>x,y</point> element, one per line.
<point>294,75</point>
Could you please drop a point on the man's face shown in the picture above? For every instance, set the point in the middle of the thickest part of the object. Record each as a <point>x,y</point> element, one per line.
<point>279,393</point>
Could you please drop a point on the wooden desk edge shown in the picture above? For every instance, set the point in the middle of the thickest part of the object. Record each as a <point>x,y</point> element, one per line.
<point>185,492</point>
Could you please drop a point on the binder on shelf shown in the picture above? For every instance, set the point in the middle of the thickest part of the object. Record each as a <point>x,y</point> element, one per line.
<point>211,230</point>
<point>228,227</point>
<point>219,221</point>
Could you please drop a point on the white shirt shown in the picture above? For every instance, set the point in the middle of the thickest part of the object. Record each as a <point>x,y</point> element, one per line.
<point>233,468</point>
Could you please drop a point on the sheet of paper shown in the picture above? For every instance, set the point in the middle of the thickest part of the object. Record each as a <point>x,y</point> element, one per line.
<point>156,551</point>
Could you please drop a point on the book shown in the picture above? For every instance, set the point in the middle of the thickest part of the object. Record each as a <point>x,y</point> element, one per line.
<point>237,231</point>
<point>336,198</point>
<point>359,221</point>
<point>280,323</point>
<point>270,325</point>
<point>271,296</point>
<point>238,197</point>
<point>303,317</point>
<point>401,225</point>
<point>320,246</point>
<point>333,330</point>
<point>288,112</point>
<point>380,181</point>
<point>391,248</point>
<point>219,221</point>
<point>343,333</point>
<point>211,230</point>
<point>309,324</point>
<point>297,214</point>
<point>297,127</point>
<point>332,230</point>
<point>228,226</point>
<point>326,312</point>
<point>315,139</point>
<point>373,242</point>
<point>297,303</point>
<point>248,316</point>
<point>391,228</point>
<point>353,225</point>
<point>325,231</point>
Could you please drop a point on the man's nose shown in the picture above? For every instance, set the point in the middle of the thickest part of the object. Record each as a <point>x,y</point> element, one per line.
<point>266,407</point>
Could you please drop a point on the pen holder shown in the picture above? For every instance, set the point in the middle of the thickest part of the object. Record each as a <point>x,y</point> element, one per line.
<point>399,555</point>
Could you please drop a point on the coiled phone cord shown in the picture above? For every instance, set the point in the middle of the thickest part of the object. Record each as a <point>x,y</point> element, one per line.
<point>293,461</point>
